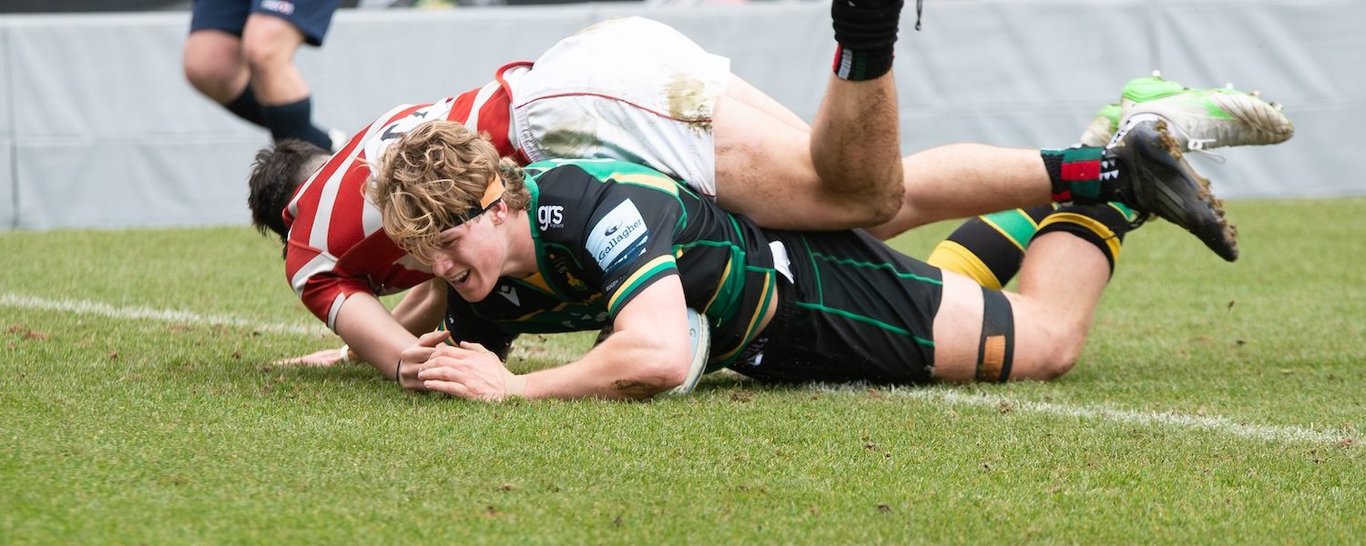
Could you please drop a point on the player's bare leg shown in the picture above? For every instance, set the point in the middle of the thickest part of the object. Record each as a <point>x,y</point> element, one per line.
<point>847,170</point>
<point>214,65</point>
<point>987,335</point>
<point>856,136</point>
<point>1060,286</point>
<point>856,147</point>
<point>269,44</point>
<point>964,180</point>
<point>765,170</point>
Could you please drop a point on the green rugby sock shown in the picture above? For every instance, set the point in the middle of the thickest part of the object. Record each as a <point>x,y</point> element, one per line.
<point>991,247</point>
<point>1102,225</point>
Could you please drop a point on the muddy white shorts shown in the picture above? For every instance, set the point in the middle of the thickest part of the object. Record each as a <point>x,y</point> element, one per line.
<point>631,89</point>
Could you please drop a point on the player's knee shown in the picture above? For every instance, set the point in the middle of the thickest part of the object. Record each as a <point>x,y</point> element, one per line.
<point>890,199</point>
<point>197,75</point>
<point>269,42</point>
<point>883,193</point>
<point>265,54</point>
<point>1058,366</point>
<point>213,82</point>
<point>872,206</point>
<point>1062,348</point>
<point>208,72</point>
<point>1048,346</point>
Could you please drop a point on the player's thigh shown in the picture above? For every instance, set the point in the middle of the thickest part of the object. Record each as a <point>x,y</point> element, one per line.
<point>1038,349</point>
<point>270,39</point>
<point>740,90</point>
<point>309,19</point>
<point>764,171</point>
<point>764,167</point>
<point>957,329</point>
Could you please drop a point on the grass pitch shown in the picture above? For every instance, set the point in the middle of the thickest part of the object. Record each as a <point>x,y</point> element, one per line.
<point>1216,404</point>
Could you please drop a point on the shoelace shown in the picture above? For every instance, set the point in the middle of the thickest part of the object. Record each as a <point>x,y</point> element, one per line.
<point>1197,146</point>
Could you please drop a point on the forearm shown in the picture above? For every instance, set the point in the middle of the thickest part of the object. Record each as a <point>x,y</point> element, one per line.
<point>422,308</point>
<point>372,333</point>
<point>613,370</point>
<point>647,354</point>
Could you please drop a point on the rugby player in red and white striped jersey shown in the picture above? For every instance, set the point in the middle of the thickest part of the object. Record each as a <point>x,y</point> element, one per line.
<point>329,255</point>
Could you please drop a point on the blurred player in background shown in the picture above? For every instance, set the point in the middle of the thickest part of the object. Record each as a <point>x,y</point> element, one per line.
<point>240,53</point>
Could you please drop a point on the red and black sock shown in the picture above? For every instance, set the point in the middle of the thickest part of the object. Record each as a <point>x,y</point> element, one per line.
<point>1083,175</point>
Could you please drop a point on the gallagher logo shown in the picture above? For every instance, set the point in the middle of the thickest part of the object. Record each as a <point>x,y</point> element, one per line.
<point>619,237</point>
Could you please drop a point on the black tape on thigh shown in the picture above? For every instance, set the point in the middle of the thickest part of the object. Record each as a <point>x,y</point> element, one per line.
<point>997,347</point>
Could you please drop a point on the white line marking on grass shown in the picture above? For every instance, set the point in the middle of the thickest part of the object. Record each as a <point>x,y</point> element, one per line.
<point>1101,413</point>
<point>87,307</point>
<point>951,397</point>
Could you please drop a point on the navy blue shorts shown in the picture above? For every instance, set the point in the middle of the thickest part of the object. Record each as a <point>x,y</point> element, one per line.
<point>311,17</point>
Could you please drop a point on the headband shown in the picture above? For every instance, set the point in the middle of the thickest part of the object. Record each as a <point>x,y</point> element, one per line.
<point>492,194</point>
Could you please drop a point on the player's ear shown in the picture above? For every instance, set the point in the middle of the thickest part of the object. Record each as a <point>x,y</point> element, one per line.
<point>500,212</point>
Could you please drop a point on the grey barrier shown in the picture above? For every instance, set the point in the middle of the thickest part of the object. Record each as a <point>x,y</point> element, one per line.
<point>99,129</point>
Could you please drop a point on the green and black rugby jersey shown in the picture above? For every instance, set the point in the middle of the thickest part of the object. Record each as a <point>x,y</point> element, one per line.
<point>604,230</point>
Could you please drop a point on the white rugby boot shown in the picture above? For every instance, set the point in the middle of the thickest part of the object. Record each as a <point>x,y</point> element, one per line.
<point>1200,119</point>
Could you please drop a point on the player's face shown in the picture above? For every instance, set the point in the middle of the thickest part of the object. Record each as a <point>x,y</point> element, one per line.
<point>471,258</point>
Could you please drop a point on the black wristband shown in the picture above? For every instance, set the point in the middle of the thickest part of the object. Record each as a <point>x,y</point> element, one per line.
<point>398,372</point>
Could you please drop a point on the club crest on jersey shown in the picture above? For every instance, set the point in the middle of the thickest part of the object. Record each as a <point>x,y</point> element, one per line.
<point>619,237</point>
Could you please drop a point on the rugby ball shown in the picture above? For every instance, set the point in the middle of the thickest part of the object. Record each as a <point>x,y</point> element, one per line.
<point>699,337</point>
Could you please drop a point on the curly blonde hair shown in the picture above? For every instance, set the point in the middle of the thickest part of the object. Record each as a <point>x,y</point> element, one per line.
<point>433,178</point>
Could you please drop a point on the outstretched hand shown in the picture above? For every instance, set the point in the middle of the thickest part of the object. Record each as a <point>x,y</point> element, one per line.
<point>471,372</point>
<point>411,360</point>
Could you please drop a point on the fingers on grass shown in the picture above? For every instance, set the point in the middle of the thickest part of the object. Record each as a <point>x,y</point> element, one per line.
<point>453,388</point>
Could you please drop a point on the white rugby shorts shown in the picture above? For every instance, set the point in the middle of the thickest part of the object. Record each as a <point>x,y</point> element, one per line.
<point>629,88</point>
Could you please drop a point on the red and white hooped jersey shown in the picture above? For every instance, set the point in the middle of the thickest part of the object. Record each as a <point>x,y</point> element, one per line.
<point>337,245</point>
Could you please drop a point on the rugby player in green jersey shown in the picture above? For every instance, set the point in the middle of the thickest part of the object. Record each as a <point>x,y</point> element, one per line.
<point>582,244</point>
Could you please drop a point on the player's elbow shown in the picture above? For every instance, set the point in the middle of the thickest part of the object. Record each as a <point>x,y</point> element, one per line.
<point>652,375</point>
